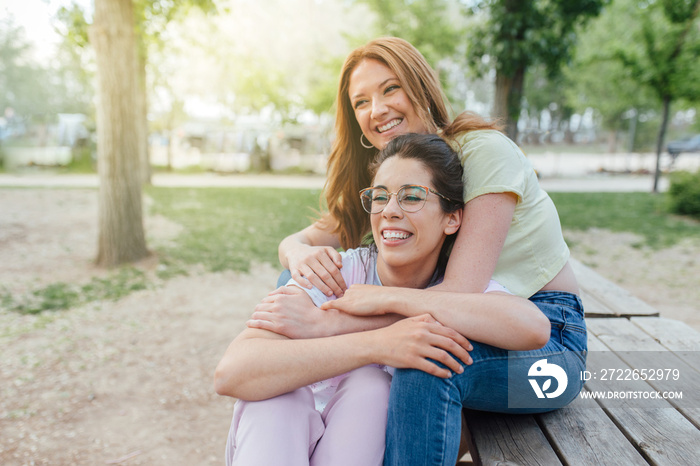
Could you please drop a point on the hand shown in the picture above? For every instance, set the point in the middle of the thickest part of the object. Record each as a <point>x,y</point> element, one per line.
<point>362,300</point>
<point>289,311</point>
<point>411,342</point>
<point>318,266</point>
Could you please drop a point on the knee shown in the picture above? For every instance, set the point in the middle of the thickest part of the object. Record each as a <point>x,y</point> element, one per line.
<point>414,378</point>
<point>411,386</point>
<point>367,381</point>
<point>289,406</point>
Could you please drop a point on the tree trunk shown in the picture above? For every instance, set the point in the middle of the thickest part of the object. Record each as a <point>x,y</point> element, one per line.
<point>660,142</point>
<point>612,141</point>
<point>508,100</point>
<point>142,122</point>
<point>121,235</point>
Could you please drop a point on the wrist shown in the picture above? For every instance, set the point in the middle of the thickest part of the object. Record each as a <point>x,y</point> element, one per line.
<point>400,302</point>
<point>333,322</point>
<point>368,350</point>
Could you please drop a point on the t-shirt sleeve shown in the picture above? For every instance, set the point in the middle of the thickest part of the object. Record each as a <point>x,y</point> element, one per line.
<point>492,164</point>
<point>314,293</point>
<point>495,286</point>
<point>354,270</point>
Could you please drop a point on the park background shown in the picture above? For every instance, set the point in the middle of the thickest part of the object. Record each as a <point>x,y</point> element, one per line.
<point>108,350</point>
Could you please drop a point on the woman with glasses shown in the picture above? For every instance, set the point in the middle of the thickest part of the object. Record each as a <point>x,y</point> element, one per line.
<point>324,400</point>
<point>511,230</point>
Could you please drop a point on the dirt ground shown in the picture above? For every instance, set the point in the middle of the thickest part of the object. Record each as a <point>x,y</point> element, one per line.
<point>130,382</point>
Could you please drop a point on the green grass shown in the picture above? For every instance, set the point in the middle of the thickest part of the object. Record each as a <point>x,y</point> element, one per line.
<point>227,228</point>
<point>645,214</point>
<point>81,162</point>
<point>57,296</point>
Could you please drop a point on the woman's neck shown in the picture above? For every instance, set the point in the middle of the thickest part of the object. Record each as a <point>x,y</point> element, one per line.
<point>409,276</point>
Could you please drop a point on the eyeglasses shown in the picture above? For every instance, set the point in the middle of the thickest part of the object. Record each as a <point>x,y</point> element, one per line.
<point>411,198</point>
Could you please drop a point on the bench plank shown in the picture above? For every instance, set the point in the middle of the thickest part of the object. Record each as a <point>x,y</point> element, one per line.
<point>594,308</point>
<point>675,335</point>
<point>660,433</point>
<point>616,298</point>
<point>499,439</point>
<point>583,434</point>
<point>640,350</point>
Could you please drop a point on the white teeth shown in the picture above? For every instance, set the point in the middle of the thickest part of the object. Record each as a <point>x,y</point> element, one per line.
<point>395,234</point>
<point>389,125</point>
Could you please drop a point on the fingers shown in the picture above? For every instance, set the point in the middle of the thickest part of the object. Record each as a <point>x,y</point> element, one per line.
<point>328,278</point>
<point>445,331</point>
<point>439,344</point>
<point>261,324</point>
<point>449,358</point>
<point>433,369</point>
<point>452,351</point>
<point>326,282</point>
<point>299,278</point>
<point>337,260</point>
<point>285,290</point>
<point>263,318</point>
<point>454,336</point>
<point>429,363</point>
<point>278,291</point>
<point>322,270</point>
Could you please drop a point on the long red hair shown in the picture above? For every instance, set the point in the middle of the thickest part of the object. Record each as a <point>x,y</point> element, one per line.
<point>348,163</point>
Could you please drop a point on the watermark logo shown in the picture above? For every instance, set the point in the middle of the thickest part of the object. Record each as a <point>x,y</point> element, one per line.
<point>542,369</point>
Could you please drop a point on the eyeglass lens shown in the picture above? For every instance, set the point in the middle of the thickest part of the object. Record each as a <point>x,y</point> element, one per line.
<point>410,198</point>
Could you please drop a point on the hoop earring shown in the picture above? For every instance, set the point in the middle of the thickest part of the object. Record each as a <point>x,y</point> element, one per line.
<point>362,142</point>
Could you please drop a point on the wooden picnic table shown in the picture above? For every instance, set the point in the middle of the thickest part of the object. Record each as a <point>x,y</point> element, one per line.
<point>625,333</point>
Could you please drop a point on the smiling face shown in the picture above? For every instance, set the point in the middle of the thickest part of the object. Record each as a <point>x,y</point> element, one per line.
<point>409,243</point>
<point>382,107</point>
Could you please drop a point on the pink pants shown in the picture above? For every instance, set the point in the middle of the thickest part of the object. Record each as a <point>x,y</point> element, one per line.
<point>287,429</point>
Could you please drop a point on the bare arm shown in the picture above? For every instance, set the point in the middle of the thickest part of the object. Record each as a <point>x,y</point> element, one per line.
<point>312,258</point>
<point>485,225</point>
<point>497,319</point>
<point>259,364</point>
<point>289,311</point>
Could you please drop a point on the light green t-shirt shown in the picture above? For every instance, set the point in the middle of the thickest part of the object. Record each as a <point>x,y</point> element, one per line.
<point>534,251</point>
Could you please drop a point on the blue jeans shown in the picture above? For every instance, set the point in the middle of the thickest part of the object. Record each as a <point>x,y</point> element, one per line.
<point>424,419</point>
<point>284,277</point>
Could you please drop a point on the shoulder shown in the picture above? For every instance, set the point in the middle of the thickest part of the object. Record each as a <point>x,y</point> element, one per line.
<point>491,143</point>
<point>358,265</point>
<point>492,164</point>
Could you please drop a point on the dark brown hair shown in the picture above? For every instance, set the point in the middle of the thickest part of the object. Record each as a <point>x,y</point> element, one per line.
<point>446,172</point>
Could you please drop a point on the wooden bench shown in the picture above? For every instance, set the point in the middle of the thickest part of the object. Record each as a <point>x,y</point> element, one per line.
<point>624,332</point>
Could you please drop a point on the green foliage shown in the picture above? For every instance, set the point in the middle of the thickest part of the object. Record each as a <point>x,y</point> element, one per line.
<point>227,228</point>
<point>323,88</point>
<point>523,33</point>
<point>153,16</point>
<point>598,79</point>
<point>430,25</point>
<point>36,92</point>
<point>57,296</point>
<point>645,214</point>
<point>684,193</point>
<point>72,18</point>
<point>435,27</point>
<point>668,43</point>
<point>513,36</point>
<point>22,83</point>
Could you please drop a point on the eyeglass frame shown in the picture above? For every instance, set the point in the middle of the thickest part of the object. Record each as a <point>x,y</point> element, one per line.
<point>427,190</point>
